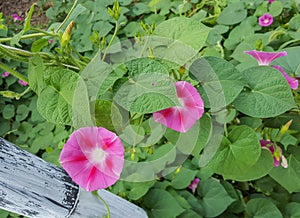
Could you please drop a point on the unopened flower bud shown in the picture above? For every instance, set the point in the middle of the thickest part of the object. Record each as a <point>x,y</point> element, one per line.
<point>285,127</point>
<point>67,34</point>
<point>115,11</point>
<point>181,70</point>
<point>284,162</point>
<point>9,94</point>
<point>178,169</point>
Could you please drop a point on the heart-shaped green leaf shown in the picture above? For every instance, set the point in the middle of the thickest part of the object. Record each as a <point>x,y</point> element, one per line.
<point>147,93</point>
<point>237,153</point>
<point>268,93</point>
<point>289,178</point>
<point>55,102</point>
<point>261,207</point>
<point>215,199</point>
<point>220,82</point>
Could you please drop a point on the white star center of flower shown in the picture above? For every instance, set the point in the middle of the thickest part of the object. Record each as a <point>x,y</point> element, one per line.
<point>98,156</point>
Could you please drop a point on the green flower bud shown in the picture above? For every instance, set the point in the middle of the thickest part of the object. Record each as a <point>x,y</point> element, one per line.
<point>67,34</point>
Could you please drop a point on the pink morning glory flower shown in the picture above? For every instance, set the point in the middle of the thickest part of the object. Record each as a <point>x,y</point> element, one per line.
<point>276,152</point>
<point>270,1</point>
<point>182,118</point>
<point>93,157</point>
<point>23,83</point>
<point>265,20</point>
<point>50,41</point>
<point>5,74</point>
<point>291,81</point>
<point>16,17</point>
<point>265,58</point>
<point>194,184</point>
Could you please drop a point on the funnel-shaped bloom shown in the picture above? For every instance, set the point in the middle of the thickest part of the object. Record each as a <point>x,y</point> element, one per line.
<point>265,58</point>
<point>265,20</point>
<point>291,81</point>
<point>16,17</point>
<point>182,118</point>
<point>194,184</point>
<point>5,74</point>
<point>276,152</point>
<point>93,157</point>
<point>22,83</point>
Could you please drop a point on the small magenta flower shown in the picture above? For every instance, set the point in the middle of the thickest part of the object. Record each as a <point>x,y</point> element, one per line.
<point>276,152</point>
<point>270,1</point>
<point>265,20</point>
<point>50,41</point>
<point>16,17</point>
<point>265,58</point>
<point>93,157</point>
<point>182,118</point>
<point>23,83</point>
<point>194,184</point>
<point>5,74</point>
<point>291,81</point>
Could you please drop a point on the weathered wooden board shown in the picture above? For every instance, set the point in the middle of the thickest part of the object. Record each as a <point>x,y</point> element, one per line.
<point>119,208</point>
<point>32,187</point>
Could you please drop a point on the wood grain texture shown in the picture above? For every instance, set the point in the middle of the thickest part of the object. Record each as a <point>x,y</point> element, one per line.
<point>89,206</point>
<point>32,187</point>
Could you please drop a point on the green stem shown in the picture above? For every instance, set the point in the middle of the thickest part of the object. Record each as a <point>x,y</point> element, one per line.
<point>221,49</point>
<point>145,45</point>
<point>138,130</point>
<point>44,32</point>
<point>13,72</point>
<point>83,60</point>
<point>25,92</point>
<point>75,61</point>
<point>287,43</point>
<point>111,40</point>
<point>225,129</point>
<point>67,17</point>
<point>28,36</point>
<point>70,66</point>
<point>103,201</point>
<point>23,53</point>
<point>17,50</point>
<point>11,54</point>
<point>96,55</point>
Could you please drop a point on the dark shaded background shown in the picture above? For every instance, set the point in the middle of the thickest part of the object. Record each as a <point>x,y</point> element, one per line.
<point>20,7</point>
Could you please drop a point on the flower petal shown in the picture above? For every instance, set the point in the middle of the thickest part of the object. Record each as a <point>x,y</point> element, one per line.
<point>93,157</point>
<point>23,83</point>
<point>194,184</point>
<point>284,162</point>
<point>291,81</point>
<point>5,74</point>
<point>264,143</point>
<point>265,58</point>
<point>182,118</point>
<point>265,20</point>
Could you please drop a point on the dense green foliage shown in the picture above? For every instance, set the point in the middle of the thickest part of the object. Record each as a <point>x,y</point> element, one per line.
<point>100,78</point>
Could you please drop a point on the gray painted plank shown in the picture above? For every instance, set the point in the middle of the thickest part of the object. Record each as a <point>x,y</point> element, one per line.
<point>32,187</point>
<point>90,206</point>
<point>35,188</point>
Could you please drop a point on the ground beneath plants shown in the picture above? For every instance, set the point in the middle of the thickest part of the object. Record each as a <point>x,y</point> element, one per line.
<point>21,7</point>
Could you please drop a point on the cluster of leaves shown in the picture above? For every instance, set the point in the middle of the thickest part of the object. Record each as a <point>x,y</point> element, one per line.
<point>247,102</point>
